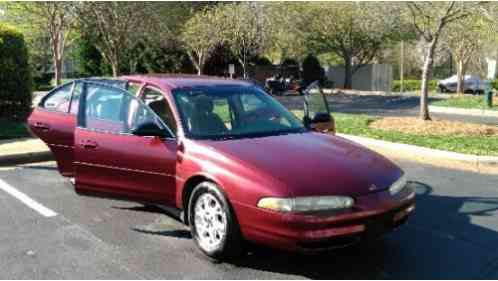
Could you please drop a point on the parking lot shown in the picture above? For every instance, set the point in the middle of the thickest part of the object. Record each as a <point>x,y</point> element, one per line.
<point>452,235</point>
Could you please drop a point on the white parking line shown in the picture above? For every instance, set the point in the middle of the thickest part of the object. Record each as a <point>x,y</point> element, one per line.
<point>44,211</point>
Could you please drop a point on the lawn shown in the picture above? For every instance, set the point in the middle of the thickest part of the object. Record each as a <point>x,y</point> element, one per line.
<point>468,102</point>
<point>358,125</point>
<point>12,129</point>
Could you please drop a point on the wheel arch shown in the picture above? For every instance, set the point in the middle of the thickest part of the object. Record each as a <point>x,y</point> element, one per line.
<point>189,186</point>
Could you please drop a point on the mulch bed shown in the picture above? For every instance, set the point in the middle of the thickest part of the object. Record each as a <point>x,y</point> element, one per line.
<point>413,125</point>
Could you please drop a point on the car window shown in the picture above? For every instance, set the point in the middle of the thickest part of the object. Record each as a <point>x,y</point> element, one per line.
<point>156,101</point>
<point>113,110</point>
<point>104,109</point>
<point>221,107</point>
<point>251,102</point>
<point>315,101</point>
<point>59,100</point>
<point>233,112</point>
<point>133,88</point>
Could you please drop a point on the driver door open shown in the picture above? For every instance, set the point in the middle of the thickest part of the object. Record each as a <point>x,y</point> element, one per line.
<point>112,162</point>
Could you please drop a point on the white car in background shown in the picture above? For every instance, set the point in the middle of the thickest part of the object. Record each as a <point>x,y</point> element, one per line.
<point>472,84</point>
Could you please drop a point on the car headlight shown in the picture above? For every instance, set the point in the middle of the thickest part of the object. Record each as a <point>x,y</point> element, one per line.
<point>398,185</point>
<point>306,204</point>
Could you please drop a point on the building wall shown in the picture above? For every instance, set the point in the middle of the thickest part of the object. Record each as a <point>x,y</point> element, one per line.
<point>371,77</point>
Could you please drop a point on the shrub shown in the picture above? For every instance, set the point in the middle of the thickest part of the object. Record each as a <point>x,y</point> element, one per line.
<point>15,76</point>
<point>413,85</point>
<point>494,84</point>
<point>312,70</point>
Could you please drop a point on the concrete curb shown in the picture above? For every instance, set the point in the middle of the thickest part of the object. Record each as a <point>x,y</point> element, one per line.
<point>480,163</point>
<point>463,111</point>
<point>23,151</point>
<point>24,158</point>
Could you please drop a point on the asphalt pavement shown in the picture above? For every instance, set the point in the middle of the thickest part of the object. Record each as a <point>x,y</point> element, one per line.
<point>452,235</point>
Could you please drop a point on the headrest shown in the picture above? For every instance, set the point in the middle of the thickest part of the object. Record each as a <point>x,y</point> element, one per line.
<point>204,104</point>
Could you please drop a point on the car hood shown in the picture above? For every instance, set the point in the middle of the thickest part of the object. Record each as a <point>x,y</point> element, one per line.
<point>311,164</point>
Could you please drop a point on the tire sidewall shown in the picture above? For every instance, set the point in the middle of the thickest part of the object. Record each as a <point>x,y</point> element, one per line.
<point>232,235</point>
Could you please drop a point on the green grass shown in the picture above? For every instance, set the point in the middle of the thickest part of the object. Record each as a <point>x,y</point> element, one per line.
<point>465,102</point>
<point>353,124</point>
<point>13,129</point>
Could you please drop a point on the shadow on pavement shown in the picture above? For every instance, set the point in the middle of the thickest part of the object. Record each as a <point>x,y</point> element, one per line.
<point>41,167</point>
<point>177,233</point>
<point>439,241</point>
<point>141,208</point>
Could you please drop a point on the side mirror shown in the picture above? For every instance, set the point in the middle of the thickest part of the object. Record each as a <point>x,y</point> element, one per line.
<point>149,129</point>
<point>322,122</point>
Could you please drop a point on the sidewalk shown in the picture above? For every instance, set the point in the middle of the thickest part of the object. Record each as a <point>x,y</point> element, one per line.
<point>463,111</point>
<point>23,151</point>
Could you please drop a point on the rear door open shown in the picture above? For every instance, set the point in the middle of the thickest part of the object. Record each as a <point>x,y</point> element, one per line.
<point>54,120</point>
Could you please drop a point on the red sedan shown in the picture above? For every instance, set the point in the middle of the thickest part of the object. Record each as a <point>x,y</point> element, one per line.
<point>225,157</point>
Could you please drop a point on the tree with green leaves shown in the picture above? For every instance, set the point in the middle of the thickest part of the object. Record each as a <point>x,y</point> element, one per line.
<point>201,35</point>
<point>245,29</point>
<point>55,20</point>
<point>355,31</point>
<point>117,27</point>
<point>286,38</point>
<point>430,20</point>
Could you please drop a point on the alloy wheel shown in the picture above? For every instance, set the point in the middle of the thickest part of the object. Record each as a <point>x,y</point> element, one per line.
<point>210,222</point>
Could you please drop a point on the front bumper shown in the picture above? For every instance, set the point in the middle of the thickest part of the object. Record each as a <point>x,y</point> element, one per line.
<point>373,215</point>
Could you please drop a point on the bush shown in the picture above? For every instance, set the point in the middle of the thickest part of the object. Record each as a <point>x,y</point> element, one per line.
<point>312,70</point>
<point>413,85</point>
<point>494,84</point>
<point>15,76</point>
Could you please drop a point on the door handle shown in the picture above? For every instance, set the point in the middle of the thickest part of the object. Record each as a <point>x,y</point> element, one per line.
<point>89,144</point>
<point>41,126</point>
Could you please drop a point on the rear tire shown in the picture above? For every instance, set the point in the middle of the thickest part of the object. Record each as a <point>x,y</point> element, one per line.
<point>213,223</point>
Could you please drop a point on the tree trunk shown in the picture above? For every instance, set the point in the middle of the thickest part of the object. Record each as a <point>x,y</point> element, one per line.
<point>115,68</point>
<point>426,75</point>
<point>348,73</point>
<point>460,76</point>
<point>200,63</point>
<point>133,65</point>
<point>57,59</point>
<point>57,71</point>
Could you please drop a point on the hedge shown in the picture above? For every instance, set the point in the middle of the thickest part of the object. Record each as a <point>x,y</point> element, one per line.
<point>494,84</point>
<point>413,85</point>
<point>15,77</point>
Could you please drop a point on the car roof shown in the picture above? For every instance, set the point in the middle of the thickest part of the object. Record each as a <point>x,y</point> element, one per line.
<point>176,81</point>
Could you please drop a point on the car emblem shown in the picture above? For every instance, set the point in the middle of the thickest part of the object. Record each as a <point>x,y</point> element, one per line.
<point>373,187</point>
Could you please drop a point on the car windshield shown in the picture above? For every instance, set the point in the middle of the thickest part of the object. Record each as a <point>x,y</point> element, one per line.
<point>233,112</point>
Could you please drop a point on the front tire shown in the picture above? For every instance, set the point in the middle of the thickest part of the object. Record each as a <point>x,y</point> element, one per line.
<point>213,224</point>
